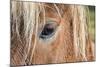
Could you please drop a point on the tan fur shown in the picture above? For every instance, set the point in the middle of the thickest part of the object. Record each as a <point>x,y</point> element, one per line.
<point>71,42</point>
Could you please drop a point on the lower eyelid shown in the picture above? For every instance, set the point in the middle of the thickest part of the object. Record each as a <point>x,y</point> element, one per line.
<point>47,37</point>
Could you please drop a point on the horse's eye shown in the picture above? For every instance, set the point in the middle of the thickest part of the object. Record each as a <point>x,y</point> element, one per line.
<point>48,30</point>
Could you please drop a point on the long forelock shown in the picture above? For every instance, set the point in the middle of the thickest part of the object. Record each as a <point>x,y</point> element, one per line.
<point>30,14</point>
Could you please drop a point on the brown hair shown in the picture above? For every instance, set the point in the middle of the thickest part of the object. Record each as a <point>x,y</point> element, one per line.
<point>70,44</point>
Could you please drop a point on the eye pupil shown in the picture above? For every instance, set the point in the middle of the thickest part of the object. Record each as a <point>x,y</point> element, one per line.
<point>47,31</point>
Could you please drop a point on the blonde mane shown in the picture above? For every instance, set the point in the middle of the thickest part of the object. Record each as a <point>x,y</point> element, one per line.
<point>25,22</point>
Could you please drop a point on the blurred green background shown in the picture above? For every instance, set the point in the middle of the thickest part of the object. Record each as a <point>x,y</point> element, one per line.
<point>91,24</point>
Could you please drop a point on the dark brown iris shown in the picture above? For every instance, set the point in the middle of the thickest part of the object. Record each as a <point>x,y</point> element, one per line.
<point>48,31</point>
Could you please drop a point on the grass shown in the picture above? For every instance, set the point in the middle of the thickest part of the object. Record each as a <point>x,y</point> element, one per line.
<point>92,24</point>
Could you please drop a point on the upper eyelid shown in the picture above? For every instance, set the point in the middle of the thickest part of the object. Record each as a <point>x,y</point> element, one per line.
<point>52,20</point>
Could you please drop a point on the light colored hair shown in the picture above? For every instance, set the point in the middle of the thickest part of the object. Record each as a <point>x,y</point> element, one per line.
<point>25,22</point>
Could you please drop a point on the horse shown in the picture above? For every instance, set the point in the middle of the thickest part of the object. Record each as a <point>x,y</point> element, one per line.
<point>46,33</point>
